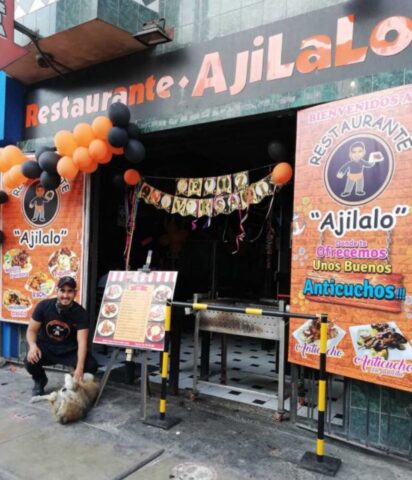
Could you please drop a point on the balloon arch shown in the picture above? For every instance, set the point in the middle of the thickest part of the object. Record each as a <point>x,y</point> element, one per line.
<point>90,145</point>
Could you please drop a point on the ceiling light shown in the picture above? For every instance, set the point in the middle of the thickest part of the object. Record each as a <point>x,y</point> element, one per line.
<point>154,33</point>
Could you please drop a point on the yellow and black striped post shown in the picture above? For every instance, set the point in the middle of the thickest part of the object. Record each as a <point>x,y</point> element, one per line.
<point>320,462</point>
<point>161,420</point>
<point>165,362</point>
<point>320,443</point>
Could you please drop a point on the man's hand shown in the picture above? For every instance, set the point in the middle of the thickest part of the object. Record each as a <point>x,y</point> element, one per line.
<point>34,354</point>
<point>78,375</point>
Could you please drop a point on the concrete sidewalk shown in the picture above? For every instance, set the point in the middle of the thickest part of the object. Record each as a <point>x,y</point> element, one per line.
<point>213,442</point>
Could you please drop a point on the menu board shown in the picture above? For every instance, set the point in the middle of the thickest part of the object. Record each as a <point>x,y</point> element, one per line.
<point>132,313</point>
<point>352,252</point>
<point>43,241</point>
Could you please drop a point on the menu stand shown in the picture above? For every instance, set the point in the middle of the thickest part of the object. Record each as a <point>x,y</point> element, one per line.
<point>144,378</point>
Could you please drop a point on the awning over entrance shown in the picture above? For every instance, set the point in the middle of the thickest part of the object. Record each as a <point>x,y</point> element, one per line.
<point>79,47</point>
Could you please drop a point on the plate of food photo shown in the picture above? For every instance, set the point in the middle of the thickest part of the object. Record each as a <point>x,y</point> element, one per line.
<point>109,310</point>
<point>113,292</point>
<point>15,300</point>
<point>106,328</point>
<point>63,262</point>
<point>162,293</point>
<point>155,333</point>
<point>17,259</point>
<point>380,340</point>
<point>309,332</point>
<point>40,283</point>
<point>157,313</point>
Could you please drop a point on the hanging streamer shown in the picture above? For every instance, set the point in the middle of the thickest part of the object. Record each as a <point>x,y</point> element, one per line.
<point>132,206</point>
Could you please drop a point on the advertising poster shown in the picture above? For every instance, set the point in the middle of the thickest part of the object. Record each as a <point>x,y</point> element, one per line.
<point>352,230</point>
<point>43,241</point>
<point>133,309</point>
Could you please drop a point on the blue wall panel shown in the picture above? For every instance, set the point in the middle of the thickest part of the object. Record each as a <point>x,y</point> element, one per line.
<point>11,110</point>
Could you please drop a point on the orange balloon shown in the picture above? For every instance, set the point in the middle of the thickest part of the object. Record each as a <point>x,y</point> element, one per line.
<point>7,181</point>
<point>16,176</point>
<point>116,150</point>
<point>81,158</point>
<point>91,168</point>
<point>282,173</point>
<point>4,163</point>
<point>83,134</point>
<point>132,176</point>
<point>98,150</point>
<point>12,155</point>
<point>65,142</point>
<point>101,126</point>
<point>66,168</point>
<point>107,158</point>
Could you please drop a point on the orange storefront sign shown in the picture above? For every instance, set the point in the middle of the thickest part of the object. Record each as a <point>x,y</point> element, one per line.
<point>352,256</point>
<point>43,241</point>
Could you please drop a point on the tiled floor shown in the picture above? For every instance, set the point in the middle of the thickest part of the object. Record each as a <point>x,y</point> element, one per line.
<point>251,375</point>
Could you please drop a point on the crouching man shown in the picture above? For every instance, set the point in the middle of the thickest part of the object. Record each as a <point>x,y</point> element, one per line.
<point>58,334</point>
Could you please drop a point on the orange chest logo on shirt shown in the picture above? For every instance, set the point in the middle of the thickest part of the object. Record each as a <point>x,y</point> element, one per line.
<point>58,330</point>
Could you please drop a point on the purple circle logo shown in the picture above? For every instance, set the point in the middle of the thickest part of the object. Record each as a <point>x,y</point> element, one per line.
<point>359,169</point>
<point>40,206</point>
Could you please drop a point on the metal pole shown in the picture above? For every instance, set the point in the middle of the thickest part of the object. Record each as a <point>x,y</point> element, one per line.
<point>109,367</point>
<point>320,443</point>
<point>281,363</point>
<point>248,310</point>
<point>143,385</point>
<point>281,374</point>
<point>294,393</point>
<point>320,462</point>
<point>223,359</point>
<point>195,348</point>
<point>160,420</point>
<point>165,362</point>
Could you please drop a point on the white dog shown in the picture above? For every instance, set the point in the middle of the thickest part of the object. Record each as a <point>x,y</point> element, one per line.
<point>73,400</point>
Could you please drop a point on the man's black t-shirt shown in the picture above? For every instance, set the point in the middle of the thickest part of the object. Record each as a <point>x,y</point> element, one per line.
<point>59,327</point>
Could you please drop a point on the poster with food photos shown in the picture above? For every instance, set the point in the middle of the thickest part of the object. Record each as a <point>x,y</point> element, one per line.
<point>132,313</point>
<point>43,241</point>
<point>352,253</point>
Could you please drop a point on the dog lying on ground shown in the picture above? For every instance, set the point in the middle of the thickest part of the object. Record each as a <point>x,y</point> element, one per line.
<point>73,400</point>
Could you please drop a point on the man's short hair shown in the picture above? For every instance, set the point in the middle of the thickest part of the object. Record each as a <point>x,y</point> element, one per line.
<point>358,145</point>
<point>69,281</point>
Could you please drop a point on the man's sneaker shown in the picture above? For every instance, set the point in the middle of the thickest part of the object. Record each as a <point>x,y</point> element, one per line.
<point>39,385</point>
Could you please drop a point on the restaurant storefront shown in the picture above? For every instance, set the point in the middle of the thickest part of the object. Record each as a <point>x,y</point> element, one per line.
<point>225,104</point>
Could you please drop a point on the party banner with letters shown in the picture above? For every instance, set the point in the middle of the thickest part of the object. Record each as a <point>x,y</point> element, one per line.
<point>43,241</point>
<point>227,197</point>
<point>352,253</point>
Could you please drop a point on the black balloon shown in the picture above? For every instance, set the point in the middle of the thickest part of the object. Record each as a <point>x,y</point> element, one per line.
<point>133,131</point>
<point>48,161</point>
<point>118,181</point>
<point>1,237</point>
<point>118,137</point>
<point>276,151</point>
<point>3,196</point>
<point>41,150</point>
<point>50,180</point>
<point>119,114</point>
<point>135,151</point>
<point>31,169</point>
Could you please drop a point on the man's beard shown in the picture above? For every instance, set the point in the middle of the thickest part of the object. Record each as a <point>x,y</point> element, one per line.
<point>64,307</point>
